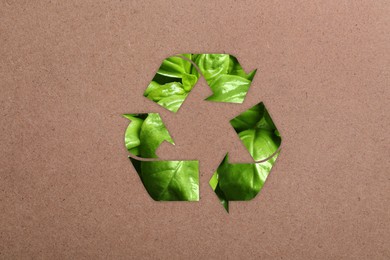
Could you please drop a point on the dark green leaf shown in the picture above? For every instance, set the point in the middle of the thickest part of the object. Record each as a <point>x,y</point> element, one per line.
<point>236,69</point>
<point>243,181</point>
<point>170,180</point>
<point>248,119</point>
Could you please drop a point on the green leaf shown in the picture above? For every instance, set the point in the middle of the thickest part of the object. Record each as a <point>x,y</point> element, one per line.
<point>229,88</point>
<point>243,181</point>
<point>217,189</point>
<point>257,131</point>
<point>132,140</point>
<point>236,69</point>
<point>248,119</point>
<point>172,103</point>
<point>212,65</point>
<point>189,81</point>
<point>153,132</point>
<point>222,198</point>
<point>169,180</point>
<point>186,55</point>
<point>156,92</point>
<point>174,67</point>
<point>164,180</point>
<point>260,143</point>
<point>174,80</point>
<point>225,76</point>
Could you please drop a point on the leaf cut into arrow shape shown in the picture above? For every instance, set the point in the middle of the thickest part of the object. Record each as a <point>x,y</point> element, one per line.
<point>243,181</point>
<point>240,181</point>
<point>225,76</point>
<point>163,180</point>
<point>169,180</point>
<point>145,134</point>
<point>179,180</point>
<point>177,75</point>
<point>173,82</point>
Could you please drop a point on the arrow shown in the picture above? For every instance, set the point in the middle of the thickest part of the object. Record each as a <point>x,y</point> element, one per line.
<point>179,180</point>
<point>243,181</point>
<point>178,74</point>
<point>163,180</point>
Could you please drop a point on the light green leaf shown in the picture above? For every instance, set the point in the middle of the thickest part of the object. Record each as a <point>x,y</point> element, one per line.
<point>174,80</point>
<point>189,81</point>
<point>153,132</point>
<point>156,92</point>
<point>172,103</point>
<point>174,67</point>
<point>229,88</point>
<point>260,143</point>
<point>236,69</point>
<point>212,65</point>
<point>257,131</point>
<point>132,140</point>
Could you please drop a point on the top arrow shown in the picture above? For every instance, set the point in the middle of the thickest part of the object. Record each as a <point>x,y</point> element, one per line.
<point>178,74</point>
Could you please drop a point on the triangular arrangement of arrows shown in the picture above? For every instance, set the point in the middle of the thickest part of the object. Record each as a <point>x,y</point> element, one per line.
<point>179,180</point>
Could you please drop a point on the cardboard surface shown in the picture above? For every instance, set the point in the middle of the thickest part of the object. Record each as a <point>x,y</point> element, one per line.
<point>69,69</point>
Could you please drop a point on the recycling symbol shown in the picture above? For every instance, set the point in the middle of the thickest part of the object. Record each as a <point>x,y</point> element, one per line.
<point>179,180</point>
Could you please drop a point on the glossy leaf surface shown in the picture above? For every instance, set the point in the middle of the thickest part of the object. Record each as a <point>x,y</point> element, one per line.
<point>169,180</point>
<point>225,76</point>
<point>243,181</point>
<point>173,81</point>
<point>163,180</point>
<point>177,76</point>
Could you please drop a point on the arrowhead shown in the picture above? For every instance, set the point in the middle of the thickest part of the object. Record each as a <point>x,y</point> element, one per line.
<point>214,183</point>
<point>145,134</point>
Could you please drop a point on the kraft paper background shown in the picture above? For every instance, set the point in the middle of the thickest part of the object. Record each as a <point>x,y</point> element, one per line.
<point>69,69</point>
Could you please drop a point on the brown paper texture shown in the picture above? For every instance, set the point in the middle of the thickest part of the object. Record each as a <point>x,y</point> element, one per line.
<point>70,69</point>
